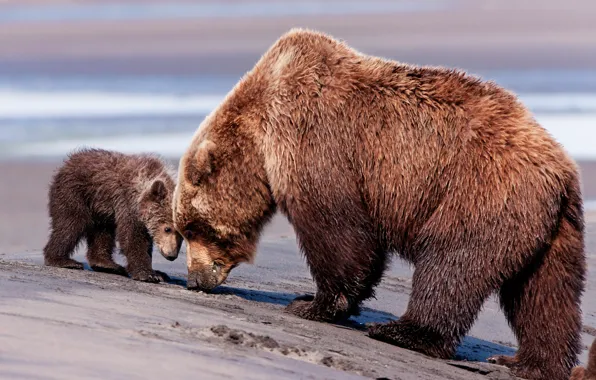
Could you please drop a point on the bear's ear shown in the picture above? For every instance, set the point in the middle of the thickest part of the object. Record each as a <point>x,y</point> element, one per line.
<point>158,191</point>
<point>201,165</point>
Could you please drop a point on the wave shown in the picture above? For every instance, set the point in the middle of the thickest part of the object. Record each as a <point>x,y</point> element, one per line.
<point>575,132</point>
<point>22,104</point>
<point>132,11</point>
<point>17,104</point>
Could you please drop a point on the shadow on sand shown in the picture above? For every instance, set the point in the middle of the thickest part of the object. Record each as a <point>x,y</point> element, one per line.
<point>471,349</point>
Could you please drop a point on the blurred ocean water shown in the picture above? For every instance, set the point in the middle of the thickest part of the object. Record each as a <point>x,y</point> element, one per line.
<point>45,117</point>
<point>214,9</point>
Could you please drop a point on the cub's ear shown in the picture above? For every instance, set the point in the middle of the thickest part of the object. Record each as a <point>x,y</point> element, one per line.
<point>157,192</point>
<point>201,165</point>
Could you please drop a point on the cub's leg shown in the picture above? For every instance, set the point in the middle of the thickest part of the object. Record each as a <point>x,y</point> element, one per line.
<point>136,245</point>
<point>101,242</point>
<point>68,227</point>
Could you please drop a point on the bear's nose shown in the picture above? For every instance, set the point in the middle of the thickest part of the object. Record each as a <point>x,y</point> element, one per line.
<point>201,281</point>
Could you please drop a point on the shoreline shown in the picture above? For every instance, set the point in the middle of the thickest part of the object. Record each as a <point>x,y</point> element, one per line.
<point>25,224</point>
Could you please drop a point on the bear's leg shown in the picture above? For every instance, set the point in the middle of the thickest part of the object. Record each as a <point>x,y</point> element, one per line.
<point>542,304</point>
<point>447,295</point>
<point>374,274</point>
<point>136,245</point>
<point>345,262</point>
<point>101,243</point>
<point>66,235</point>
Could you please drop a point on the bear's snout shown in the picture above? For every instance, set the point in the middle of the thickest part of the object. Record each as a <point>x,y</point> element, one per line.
<point>201,281</point>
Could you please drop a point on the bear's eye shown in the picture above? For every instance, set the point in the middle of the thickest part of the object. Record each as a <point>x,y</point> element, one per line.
<point>167,230</point>
<point>188,234</point>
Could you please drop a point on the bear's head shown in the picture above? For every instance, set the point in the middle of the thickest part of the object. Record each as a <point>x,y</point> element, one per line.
<point>222,198</point>
<point>156,212</point>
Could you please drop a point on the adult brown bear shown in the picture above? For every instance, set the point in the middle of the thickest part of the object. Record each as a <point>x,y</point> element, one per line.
<point>367,156</point>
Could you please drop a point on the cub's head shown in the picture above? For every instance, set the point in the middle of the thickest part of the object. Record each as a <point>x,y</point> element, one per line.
<point>156,212</point>
<point>222,201</point>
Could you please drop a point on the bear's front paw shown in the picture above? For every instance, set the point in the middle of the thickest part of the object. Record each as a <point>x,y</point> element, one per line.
<point>303,308</point>
<point>152,277</point>
<point>382,332</point>
<point>306,307</point>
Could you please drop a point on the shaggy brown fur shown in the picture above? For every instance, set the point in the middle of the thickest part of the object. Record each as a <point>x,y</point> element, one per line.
<point>104,196</point>
<point>367,156</point>
<point>588,373</point>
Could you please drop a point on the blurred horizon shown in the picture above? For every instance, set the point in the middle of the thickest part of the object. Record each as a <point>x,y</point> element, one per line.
<point>142,74</point>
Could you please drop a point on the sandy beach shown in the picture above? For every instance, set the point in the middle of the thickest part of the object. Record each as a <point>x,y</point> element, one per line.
<point>61,324</point>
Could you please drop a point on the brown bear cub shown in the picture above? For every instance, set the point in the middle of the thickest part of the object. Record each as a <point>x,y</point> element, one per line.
<point>588,373</point>
<point>368,157</point>
<point>103,197</point>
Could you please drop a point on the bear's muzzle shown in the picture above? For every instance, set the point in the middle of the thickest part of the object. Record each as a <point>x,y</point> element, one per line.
<point>202,280</point>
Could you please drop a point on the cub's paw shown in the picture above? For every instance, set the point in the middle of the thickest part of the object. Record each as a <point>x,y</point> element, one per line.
<point>65,263</point>
<point>164,277</point>
<point>151,277</point>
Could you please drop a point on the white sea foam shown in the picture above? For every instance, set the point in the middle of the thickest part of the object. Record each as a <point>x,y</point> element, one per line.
<point>18,104</point>
<point>21,104</point>
<point>559,102</point>
<point>576,132</point>
<point>570,118</point>
<point>168,145</point>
